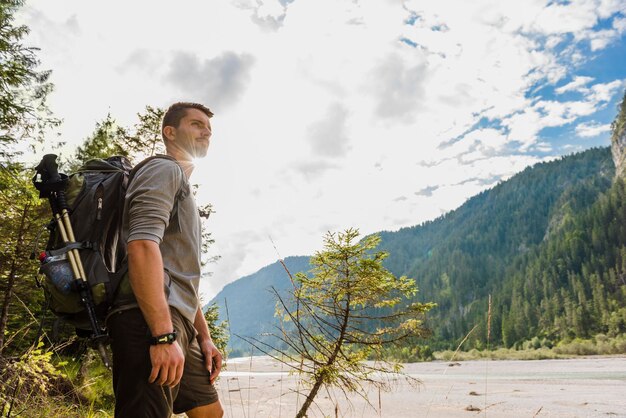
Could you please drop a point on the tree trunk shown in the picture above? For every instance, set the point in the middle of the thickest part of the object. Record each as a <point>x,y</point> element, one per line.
<point>309,399</point>
<point>331,360</point>
<point>8,293</point>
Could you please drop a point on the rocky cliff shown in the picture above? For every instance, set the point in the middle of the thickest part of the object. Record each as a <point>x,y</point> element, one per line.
<point>618,140</point>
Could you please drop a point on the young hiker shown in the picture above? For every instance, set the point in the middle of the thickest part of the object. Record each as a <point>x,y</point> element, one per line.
<point>164,360</point>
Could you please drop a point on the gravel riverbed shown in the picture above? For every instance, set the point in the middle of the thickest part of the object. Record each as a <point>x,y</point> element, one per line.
<point>581,387</point>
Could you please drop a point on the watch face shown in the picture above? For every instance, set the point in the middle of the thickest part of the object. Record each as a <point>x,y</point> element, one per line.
<point>164,339</point>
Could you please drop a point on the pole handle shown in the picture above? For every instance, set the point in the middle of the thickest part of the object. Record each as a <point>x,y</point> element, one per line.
<point>49,169</point>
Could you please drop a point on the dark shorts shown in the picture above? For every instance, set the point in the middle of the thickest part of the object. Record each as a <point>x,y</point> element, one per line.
<point>134,396</point>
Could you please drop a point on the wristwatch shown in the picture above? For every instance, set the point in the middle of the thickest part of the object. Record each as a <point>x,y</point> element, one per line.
<point>168,338</point>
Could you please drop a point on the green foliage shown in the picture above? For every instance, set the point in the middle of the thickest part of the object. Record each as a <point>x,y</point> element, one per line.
<point>23,117</point>
<point>218,330</point>
<point>409,353</point>
<point>24,214</point>
<point>572,286</point>
<point>39,383</point>
<point>598,345</point>
<point>106,140</point>
<point>205,212</point>
<point>109,138</point>
<point>348,283</point>
<point>33,372</point>
<point>29,381</point>
<point>548,244</point>
<point>23,90</point>
<point>145,138</point>
<point>348,309</point>
<point>542,348</point>
<point>92,380</point>
<point>498,354</point>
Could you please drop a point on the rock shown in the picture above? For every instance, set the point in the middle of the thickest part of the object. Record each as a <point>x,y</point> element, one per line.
<point>618,148</point>
<point>618,140</point>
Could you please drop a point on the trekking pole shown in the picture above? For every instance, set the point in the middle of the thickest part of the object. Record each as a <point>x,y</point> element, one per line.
<point>52,186</point>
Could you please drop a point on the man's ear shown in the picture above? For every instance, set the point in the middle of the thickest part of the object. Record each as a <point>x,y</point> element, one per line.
<point>169,132</point>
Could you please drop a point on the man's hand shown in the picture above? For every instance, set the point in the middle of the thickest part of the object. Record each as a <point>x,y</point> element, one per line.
<point>212,357</point>
<point>168,362</point>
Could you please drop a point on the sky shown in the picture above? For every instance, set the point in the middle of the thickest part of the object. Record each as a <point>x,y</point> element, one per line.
<point>330,114</point>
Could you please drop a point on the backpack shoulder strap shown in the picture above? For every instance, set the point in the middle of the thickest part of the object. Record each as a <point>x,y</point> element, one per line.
<point>139,166</point>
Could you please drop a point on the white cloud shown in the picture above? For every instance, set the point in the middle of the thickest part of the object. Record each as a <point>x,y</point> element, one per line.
<point>554,40</point>
<point>606,8</point>
<point>320,103</point>
<point>525,125</point>
<point>543,147</point>
<point>267,14</point>
<point>398,87</point>
<point>220,81</point>
<point>328,136</point>
<point>619,24</point>
<point>604,92</point>
<point>590,130</point>
<point>600,39</point>
<point>565,18</point>
<point>578,84</point>
<point>270,8</point>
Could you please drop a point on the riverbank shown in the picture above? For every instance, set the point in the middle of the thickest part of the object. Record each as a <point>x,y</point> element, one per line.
<point>580,387</point>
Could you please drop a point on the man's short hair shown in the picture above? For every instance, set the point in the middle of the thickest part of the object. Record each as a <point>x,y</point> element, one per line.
<point>177,111</point>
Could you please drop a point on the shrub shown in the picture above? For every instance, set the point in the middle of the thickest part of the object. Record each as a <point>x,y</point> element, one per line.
<point>35,385</point>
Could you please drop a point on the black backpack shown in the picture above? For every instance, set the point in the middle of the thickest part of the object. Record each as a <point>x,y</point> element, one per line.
<point>95,195</point>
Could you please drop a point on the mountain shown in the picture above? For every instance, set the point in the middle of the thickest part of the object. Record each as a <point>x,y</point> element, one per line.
<point>618,139</point>
<point>548,245</point>
<point>492,244</point>
<point>248,303</point>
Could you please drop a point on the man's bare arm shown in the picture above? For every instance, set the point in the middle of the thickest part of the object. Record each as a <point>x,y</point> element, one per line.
<point>145,268</point>
<point>212,356</point>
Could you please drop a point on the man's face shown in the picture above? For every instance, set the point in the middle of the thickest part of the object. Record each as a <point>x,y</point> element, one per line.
<point>193,133</point>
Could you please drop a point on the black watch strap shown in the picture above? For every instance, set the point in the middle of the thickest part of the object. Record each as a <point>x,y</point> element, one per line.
<point>168,338</point>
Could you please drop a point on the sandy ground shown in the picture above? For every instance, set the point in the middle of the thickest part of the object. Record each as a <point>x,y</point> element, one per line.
<point>584,387</point>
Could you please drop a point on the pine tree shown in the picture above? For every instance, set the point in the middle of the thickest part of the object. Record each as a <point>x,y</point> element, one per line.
<point>23,118</point>
<point>347,310</point>
<point>24,89</point>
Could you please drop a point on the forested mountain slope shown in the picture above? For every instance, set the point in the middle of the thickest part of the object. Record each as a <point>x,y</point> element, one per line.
<point>461,257</point>
<point>547,244</point>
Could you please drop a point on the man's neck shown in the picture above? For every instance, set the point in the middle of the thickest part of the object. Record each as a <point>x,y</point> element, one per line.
<point>183,160</point>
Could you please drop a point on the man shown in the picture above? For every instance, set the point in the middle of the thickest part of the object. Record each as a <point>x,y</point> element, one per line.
<point>164,360</point>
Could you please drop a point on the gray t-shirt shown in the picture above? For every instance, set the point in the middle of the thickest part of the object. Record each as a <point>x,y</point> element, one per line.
<point>158,188</point>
